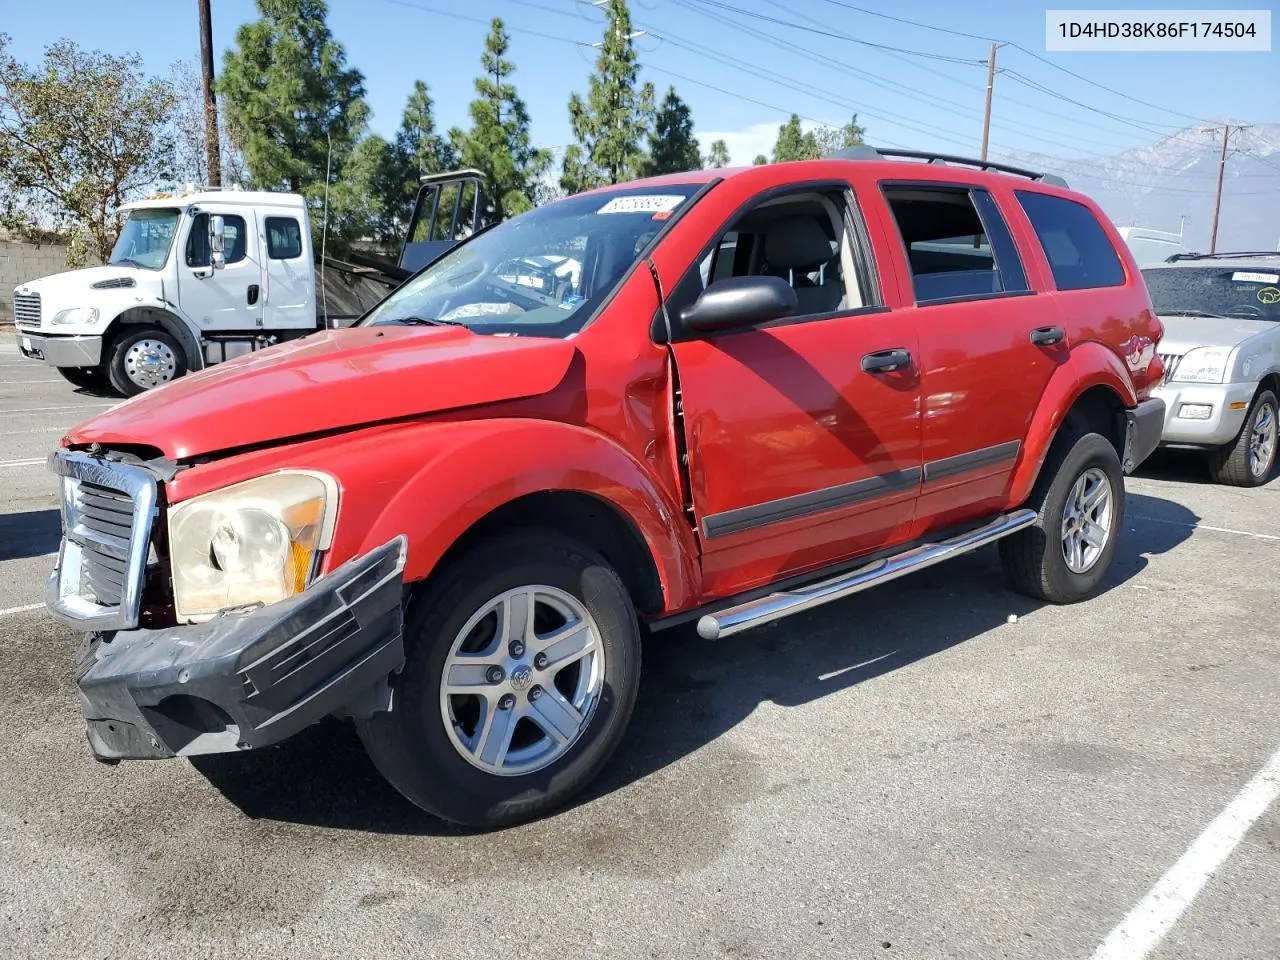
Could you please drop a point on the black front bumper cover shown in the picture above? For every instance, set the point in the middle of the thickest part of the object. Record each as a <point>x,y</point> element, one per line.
<point>242,681</point>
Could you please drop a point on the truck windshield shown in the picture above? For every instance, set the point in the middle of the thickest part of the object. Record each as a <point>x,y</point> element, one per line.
<point>1216,291</point>
<point>145,238</point>
<point>540,273</point>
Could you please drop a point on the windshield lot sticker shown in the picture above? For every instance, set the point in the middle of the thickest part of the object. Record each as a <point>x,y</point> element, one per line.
<point>1269,295</point>
<point>1245,277</point>
<point>648,204</point>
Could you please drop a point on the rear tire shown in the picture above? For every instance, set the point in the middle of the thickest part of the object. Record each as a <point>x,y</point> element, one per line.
<point>91,378</point>
<point>1251,458</point>
<point>1079,498</point>
<point>438,750</point>
<point>143,358</point>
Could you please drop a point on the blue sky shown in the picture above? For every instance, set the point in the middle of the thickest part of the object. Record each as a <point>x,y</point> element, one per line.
<point>741,74</point>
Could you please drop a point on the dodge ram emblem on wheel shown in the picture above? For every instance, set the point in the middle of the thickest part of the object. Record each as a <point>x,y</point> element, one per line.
<point>520,678</point>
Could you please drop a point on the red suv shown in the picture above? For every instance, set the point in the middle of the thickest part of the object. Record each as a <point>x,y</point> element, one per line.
<point>724,396</point>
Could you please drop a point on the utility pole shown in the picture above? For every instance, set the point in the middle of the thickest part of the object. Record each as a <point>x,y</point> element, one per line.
<point>212,149</point>
<point>986,117</point>
<point>1217,197</point>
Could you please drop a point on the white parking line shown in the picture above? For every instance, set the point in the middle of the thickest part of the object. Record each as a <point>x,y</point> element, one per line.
<point>69,406</point>
<point>1148,922</point>
<point>1202,526</point>
<point>29,607</point>
<point>30,462</point>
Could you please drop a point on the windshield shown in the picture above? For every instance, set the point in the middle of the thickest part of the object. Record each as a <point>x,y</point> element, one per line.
<point>1216,291</point>
<point>541,273</point>
<point>145,239</point>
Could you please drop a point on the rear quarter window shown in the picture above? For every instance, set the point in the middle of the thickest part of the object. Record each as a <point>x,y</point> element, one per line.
<point>1079,252</point>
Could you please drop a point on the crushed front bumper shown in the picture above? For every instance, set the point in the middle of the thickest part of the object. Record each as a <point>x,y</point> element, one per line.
<point>60,351</point>
<point>1143,427</point>
<point>250,680</point>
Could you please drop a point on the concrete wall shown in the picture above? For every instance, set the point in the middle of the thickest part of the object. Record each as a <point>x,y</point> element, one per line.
<point>19,262</point>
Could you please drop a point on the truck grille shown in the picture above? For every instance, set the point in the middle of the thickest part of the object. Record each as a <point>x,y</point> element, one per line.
<point>1170,361</point>
<point>107,514</point>
<point>26,309</point>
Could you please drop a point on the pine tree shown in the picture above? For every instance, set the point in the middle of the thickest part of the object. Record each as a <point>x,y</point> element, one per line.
<point>794,144</point>
<point>611,123</point>
<point>295,107</point>
<point>760,160</point>
<point>672,145</point>
<point>418,149</point>
<point>498,143</point>
<point>719,156</point>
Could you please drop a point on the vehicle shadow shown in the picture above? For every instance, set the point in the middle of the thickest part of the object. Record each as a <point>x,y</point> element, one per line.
<point>1183,466</point>
<point>35,533</point>
<point>694,691</point>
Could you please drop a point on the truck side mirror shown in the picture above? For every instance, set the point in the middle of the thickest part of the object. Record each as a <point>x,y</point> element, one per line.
<point>735,303</point>
<point>217,242</point>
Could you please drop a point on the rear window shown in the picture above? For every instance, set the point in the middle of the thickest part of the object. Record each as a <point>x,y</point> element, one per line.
<point>1077,247</point>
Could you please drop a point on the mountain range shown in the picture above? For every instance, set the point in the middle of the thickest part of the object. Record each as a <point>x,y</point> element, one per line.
<point>1169,184</point>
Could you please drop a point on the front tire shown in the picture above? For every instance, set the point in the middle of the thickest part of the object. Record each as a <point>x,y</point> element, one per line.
<point>143,358</point>
<point>1250,459</point>
<point>1080,499</point>
<point>540,644</point>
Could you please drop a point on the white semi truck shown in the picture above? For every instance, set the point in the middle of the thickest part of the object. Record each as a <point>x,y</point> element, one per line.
<point>201,276</point>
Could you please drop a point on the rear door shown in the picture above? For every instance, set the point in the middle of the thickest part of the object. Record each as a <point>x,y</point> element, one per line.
<point>799,457</point>
<point>989,343</point>
<point>287,301</point>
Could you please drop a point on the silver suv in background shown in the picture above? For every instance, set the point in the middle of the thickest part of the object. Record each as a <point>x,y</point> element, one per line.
<point>1221,352</point>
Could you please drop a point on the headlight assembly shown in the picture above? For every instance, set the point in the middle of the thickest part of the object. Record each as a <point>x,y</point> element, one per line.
<point>77,315</point>
<point>1203,365</point>
<point>251,543</point>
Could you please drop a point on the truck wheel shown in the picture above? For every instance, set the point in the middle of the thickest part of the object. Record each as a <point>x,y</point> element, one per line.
<point>93,378</point>
<point>1248,461</point>
<point>522,668</point>
<point>1080,499</point>
<point>144,358</point>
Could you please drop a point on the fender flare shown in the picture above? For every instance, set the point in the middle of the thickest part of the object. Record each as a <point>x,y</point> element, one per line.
<point>483,465</point>
<point>170,322</point>
<point>1089,365</point>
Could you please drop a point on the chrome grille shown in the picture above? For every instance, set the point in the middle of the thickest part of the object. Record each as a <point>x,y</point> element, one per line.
<point>1170,361</point>
<point>26,309</point>
<point>107,513</point>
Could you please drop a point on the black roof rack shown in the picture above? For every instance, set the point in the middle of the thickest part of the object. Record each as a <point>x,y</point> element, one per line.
<point>866,152</point>
<point>1238,255</point>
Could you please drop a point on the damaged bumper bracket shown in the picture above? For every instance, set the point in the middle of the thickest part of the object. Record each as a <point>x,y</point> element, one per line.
<point>242,681</point>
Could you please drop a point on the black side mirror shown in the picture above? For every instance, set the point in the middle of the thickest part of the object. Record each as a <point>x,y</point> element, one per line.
<point>736,302</point>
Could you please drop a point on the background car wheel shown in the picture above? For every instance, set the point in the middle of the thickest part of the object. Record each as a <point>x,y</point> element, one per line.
<point>1249,461</point>
<point>522,668</point>
<point>89,377</point>
<point>1080,499</point>
<point>144,358</point>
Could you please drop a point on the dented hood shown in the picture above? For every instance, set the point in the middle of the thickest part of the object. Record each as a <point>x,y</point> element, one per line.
<point>332,380</point>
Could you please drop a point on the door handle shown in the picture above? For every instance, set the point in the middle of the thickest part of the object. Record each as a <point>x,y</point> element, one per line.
<point>885,361</point>
<point>1047,336</point>
<point>253,294</point>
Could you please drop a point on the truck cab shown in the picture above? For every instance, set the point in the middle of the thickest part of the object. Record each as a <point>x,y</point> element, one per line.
<point>195,278</point>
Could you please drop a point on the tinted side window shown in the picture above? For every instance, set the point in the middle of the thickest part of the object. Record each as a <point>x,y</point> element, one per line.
<point>957,243</point>
<point>233,232</point>
<point>284,238</point>
<point>1077,247</point>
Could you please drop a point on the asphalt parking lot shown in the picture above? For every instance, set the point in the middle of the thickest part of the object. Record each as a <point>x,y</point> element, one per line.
<point>904,774</point>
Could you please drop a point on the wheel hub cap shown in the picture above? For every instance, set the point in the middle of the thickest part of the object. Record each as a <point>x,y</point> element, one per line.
<point>150,363</point>
<point>1262,441</point>
<point>522,680</point>
<point>1086,520</point>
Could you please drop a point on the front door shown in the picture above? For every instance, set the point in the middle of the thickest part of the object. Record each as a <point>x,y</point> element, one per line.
<point>229,298</point>
<point>803,448</point>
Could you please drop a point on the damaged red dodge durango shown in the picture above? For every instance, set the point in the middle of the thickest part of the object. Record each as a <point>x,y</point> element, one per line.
<point>719,397</point>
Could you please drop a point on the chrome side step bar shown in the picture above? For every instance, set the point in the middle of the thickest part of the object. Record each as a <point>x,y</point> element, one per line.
<point>775,606</point>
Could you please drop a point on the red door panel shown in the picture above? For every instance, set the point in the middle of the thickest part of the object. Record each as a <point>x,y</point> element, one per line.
<point>798,457</point>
